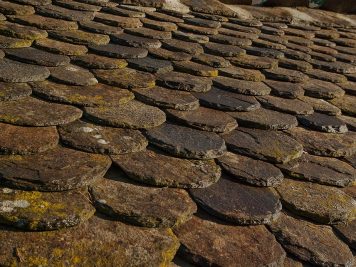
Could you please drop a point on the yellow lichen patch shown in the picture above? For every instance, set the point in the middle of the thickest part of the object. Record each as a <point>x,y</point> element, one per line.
<point>9,118</point>
<point>169,253</point>
<point>121,63</point>
<point>80,99</point>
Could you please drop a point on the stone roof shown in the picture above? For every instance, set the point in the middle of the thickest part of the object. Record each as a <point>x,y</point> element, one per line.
<point>146,132</point>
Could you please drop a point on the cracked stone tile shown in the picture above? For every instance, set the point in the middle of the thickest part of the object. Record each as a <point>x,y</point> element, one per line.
<point>291,106</point>
<point>326,76</point>
<point>186,142</point>
<point>13,71</point>
<point>118,51</point>
<point>173,172</point>
<point>8,8</point>
<point>195,69</point>
<point>80,37</point>
<point>204,119</point>
<point>169,55</point>
<point>29,139</point>
<point>58,12</point>
<point>230,40</point>
<point>272,146</point>
<point>14,91</point>
<point>322,89</point>
<point>322,170</point>
<point>321,106</point>
<point>101,140</point>
<point>59,169</point>
<point>233,245</point>
<point>123,200</point>
<point>250,171</point>
<point>322,122</point>
<point>346,103</point>
<point>149,33</point>
<point>184,82</point>
<point>320,203</point>
<point>151,65</point>
<point>59,47</point>
<point>241,86</point>
<point>22,32</point>
<point>29,111</point>
<point>311,242</point>
<point>227,101</point>
<point>43,211</point>
<point>254,62</point>
<point>95,95</point>
<point>9,42</point>
<point>242,74</point>
<point>182,46</point>
<point>167,98</point>
<point>117,21</point>
<point>347,232</point>
<point>133,115</point>
<point>97,27</point>
<point>92,61</point>
<point>135,41</point>
<point>45,23</point>
<point>223,50</point>
<point>73,75</point>
<point>136,245</point>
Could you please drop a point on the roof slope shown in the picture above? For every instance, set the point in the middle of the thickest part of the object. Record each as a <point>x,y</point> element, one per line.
<point>130,134</point>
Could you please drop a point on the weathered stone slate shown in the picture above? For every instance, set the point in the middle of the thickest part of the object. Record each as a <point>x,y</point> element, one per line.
<point>311,242</point>
<point>95,95</point>
<point>182,46</point>
<point>286,75</point>
<point>135,41</point>
<point>135,245</point>
<point>241,87</point>
<point>62,48</point>
<point>159,25</point>
<point>167,98</point>
<point>224,50</point>
<point>350,122</point>
<point>285,89</point>
<point>151,65</point>
<point>230,40</point>
<point>265,119</point>
<point>80,37</point>
<point>77,5</point>
<point>13,71</point>
<point>28,139</point>
<point>125,78</point>
<point>294,64</point>
<point>322,89</point>
<point>348,233</point>
<point>73,75</point>
<point>97,27</point>
<point>169,55</point>
<point>58,12</point>
<point>186,142</point>
<point>349,87</point>
<point>59,169</point>
<point>326,76</point>
<point>211,60</point>
<point>250,171</point>
<point>14,91</point>
<point>291,106</point>
<point>117,21</point>
<point>101,140</point>
<point>204,119</point>
<point>133,115</point>
<point>242,74</point>
<point>346,104</point>
<point>119,51</point>
<point>163,17</point>
<point>9,42</point>
<point>190,37</point>
<point>237,245</point>
<point>92,61</point>
<point>141,205</point>
<point>43,211</point>
<point>273,146</point>
<point>323,170</point>
<point>321,106</point>
<point>195,68</point>
<point>322,122</point>
<point>320,203</point>
<point>36,56</point>
<point>173,172</point>
<point>264,52</point>
<point>227,101</point>
<point>22,32</point>
<point>184,82</point>
<point>254,62</point>
<point>29,111</point>
<point>9,8</point>
<point>325,144</point>
<point>149,33</point>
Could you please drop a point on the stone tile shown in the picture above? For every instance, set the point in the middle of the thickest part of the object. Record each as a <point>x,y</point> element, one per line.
<point>345,42</point>
<point>8,8</point>
<point>158,16</point>
<point>124,12</point>
<point>62,48</point>
<point>204,119</point>
<point>293,64</point>
<point>237,245</point>
<point>264,52</point>
<point>351,77</point>
<point>9,42</point>
<point>238,34</point>
<point>209,16</point>
<point>241,28</point>
<point>321,106</point>
<point>95,95</point>
<point>211,60</point>
<point>320,203</point>
<point>184,82</point>
<point>327,34</point>
<point>350,122</point>
<point>322,89</point>
<point>322,170</point>
<point>117,21</point>
<point>326,76</point>
<point>183,46</point>
<point>323,42</point>
<point>250,171</point>
<point>13,71</point>
<point>311,242</point>
<point>33,2</point>
<point>140,205</point>
<point>265,119</point>
<point>299,41</point>
<point>23,32</point>
<point>195,69</point>
<point>14,91</point>
<point>125,78</point>
<point>190,37</point>
<point>134,115</point>
<point>186,142</point>
<point>318,59</point>
<point>169,55</point>
<point>29,139</point>
<point>135,41</point>
<point>97,27</point>
<point>346,50</point>
<point>242,74</point>
<point>137,245</point>
<point>322,122</point>
<point>247,22</point>
<point>338,67</point>
<point>80,37</point>
<point>2,54</point>
<point>30,111</point>
<point>286,75</point>
<point>149,33</point>
<point>346,103</point>
<point>348,87</point>
<point>254,62</point>
<point>227,101</point>
<point>238,203</point>
<point>77,5</point>
<point>59,169</point>
<point>272,146</point>
<point>173,172</point>
<point>292,53</point>
<point>73,75</point>
<point>45,23</point>
<point>268,44</point>
<point>92,61</point>
<point>43,211</point>
<point>273,39</point>
<point>150,64</point>
<point>203,22</point>
<point>159,25</point>
<point>36,56</point>
<point>197,29</point>
<point>347,232</point>
<point>291,106</point>
<point>272,30</point>
<point>325,144</point>
<point>167,98</point>
<point>241,87</point>
<point>324,50</point>
<point>223,50</point>
<point>58,12</point>
<point>118,51</point>
<point>230,40</point>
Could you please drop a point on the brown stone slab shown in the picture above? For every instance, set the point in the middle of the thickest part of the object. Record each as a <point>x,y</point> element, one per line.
<point>14,91</point>
<point>73,75</point>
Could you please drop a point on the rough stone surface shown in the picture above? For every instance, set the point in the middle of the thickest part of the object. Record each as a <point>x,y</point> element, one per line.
<point>285,89</point>
<point>250,171</point>
<point>173,172</point>
<point>323,123</point>
<point>320,203</point>
<point>223,50</point>
<point>322,89</point>
<point>242,87</point>
<point>186,142</point>
<point>80,37</point>
<point>135,41</point>
<point>254,62</point>
<point>93,61</point>
<point>321,106</point>
<point>13,71</point>
<point>346,104</point>
<point>151,64</point>
<point>62,48</point>
<point>184,82</point>
<point>119,51</point>
<point>73,75</point>
<point>46,23</point>
<point>348,233</point>
<point>286,75</point>
<point>29,111</point>
<point>242,74</point>
<point>59,169</point>
<point>102,140</point>
<point>14,91</point>
<point>291,106</point>
<point>39,211</point>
